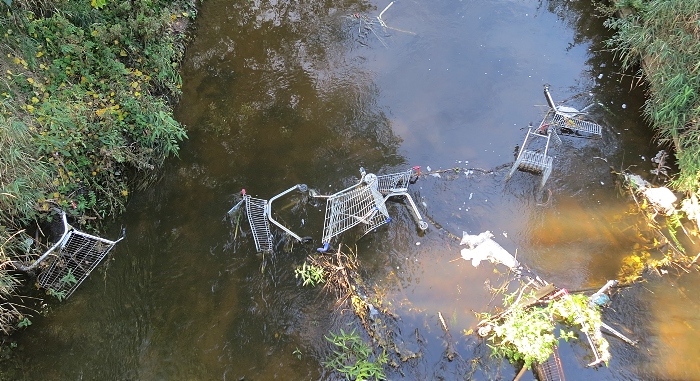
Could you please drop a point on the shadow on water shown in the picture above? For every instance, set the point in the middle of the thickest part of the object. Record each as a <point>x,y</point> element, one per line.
<point>276,94</point>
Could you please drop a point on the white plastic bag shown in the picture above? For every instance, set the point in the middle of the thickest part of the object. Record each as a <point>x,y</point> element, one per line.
<point>482,247</point>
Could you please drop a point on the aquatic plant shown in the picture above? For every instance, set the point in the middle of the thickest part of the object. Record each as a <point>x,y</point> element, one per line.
<point>527,333</point>
<point>353,358</point>
<point>60,295</point>
<point>311,275</point>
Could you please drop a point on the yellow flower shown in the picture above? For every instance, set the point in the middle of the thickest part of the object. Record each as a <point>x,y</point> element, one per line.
<point>125,193</point>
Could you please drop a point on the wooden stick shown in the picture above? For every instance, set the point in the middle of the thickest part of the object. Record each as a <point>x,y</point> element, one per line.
<point>520,374</point>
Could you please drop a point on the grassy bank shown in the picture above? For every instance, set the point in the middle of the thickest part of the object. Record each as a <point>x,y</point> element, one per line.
<point>662,38</point>
<point>85,114</point>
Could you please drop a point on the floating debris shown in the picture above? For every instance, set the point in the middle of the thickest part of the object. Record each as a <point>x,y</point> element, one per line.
<point>481,247</point>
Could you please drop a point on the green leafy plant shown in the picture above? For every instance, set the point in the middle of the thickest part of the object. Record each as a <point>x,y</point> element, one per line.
<point>85,114</point>
<point>353,358</point>
<point>673,222</point>
<point>69,278</point>
<point>658,35</point>
<point>528,334</point>
<point>297,353</point>
<point>60,295</point>
<point>311,275</point>
<point>98,3</point>
<point>25,322</point>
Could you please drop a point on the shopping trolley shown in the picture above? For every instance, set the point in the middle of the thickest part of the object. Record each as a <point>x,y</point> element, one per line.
<point>259,213</point>
<point>533,154</point>
<point>362,204</point>
<point>551,369</point>
<point>396,185</point>
<point>75,255</point>
<point>365,204</point>
<point>567,119</point>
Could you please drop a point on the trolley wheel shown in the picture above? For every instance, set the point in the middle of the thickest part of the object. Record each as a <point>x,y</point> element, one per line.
<point>423,225</point>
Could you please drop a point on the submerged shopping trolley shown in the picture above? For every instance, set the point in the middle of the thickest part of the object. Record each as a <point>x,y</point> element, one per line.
<point>551,369</point>
<point>534,155</point>
<point>365,204</point>
<point>259,213</point>
<point>396,185</point>
<point>75,256</point>
<point>362,204</point>
<point>567,119</point>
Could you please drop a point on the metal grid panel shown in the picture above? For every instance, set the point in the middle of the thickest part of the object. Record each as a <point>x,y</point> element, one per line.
<point>575,124</point>
<point>359,204</point>
<point>396,182</point>
<point>535,162</point>
<point>76,259</point>
<point>550,370</point>
<point>259,225</point>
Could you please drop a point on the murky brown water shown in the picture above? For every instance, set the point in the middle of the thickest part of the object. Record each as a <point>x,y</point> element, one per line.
<point>287,92</point>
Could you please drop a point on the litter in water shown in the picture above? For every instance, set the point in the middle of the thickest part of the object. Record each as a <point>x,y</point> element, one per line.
<point>481,247</point>
<point>362,204</point>
<point>75,255</point>
<point>534,154</point>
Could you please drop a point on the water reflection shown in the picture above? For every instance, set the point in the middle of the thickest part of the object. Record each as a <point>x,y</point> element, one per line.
<point>279,93</point>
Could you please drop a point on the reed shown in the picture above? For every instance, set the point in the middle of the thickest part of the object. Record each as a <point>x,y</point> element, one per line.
<point>662,39</point>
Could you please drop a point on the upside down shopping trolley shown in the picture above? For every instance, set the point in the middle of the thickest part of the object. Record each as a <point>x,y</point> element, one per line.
<point>362,204</point>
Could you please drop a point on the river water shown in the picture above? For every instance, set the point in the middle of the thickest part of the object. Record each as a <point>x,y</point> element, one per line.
<point>286,92</point>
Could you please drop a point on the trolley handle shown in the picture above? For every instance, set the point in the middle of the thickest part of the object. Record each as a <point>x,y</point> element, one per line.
<point>268,209</point>
<point>66,229</point>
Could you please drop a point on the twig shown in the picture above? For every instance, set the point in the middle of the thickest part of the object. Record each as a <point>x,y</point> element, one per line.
<point>520,374</point>
<point>694,259</point>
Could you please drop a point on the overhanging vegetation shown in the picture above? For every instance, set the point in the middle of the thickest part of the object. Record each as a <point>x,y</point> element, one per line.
<point>662,37</point>
<point>85,112</point>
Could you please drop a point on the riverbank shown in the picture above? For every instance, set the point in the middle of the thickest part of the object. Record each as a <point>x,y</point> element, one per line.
<point>85,117</point>
<point>662,39</point>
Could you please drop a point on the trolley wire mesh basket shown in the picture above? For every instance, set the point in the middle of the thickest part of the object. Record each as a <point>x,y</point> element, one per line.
<point>259,225</point>
<point>550,370</point>
<point>533,155</point>
<point>361,203</point>
<point>76,254</point>
<point>566,121</point>
<point>396,184</point>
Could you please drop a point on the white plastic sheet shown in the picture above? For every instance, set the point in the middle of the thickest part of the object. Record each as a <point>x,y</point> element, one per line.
<point>481,247</point>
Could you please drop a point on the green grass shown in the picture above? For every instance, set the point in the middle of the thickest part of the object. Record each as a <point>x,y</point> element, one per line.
<point>86,96</point>
<point>662,38</point>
